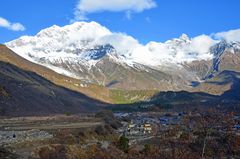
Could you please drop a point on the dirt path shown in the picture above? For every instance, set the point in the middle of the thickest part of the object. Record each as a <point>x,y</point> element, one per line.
<point>52,126</point>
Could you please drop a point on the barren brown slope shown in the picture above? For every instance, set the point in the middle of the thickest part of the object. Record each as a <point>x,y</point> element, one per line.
<point>227,63</point>
<point>94,91</point>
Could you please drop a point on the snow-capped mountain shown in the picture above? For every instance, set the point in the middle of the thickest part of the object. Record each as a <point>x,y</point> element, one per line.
<point>93,53</point>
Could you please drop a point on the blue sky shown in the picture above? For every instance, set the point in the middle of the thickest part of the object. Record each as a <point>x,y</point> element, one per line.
<point>160,21</point>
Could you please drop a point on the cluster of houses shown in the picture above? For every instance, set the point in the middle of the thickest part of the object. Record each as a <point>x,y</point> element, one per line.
<point>140,126</point>
<point>143,124</point>
<point>138,129</point>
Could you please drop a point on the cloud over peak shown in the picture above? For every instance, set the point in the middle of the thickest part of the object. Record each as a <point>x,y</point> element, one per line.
<point>85,7</point>
<point>11,26</point>
<point>232,35</point>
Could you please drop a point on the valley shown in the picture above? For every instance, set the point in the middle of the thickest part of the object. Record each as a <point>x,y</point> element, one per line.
<point>45,114</point>
<point>82,91</point>
<point>129,135</point>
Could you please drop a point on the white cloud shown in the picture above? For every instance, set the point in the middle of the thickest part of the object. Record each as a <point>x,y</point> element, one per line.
<point>176,50</point>
<point>4,22</point>
<point>85,7</point>
<point>202,44</point>
<point>17,27</point>
<point>87,35</point>
<point>232,35</point>
<point>11,26</point>
<point>121,42</point>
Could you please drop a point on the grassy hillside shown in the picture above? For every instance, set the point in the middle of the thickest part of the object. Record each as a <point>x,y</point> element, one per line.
<point>130,96</point>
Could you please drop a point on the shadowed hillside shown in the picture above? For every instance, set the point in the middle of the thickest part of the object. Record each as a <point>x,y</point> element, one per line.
<point>230,99</point>
<point>26,93</point>
<point>180,100</point>
<point>234,79</point>
<point>91,90</point>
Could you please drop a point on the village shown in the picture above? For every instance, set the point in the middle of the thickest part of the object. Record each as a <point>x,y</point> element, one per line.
<point>138,127</point>
<point>141,131</point>
<point>144,126</point>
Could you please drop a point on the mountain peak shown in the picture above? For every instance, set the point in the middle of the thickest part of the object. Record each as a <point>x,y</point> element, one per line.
<point>184,37</point>
<point>87,43</point>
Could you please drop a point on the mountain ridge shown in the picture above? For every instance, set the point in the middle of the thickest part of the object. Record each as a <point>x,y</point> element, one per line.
<point>95,55</point>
